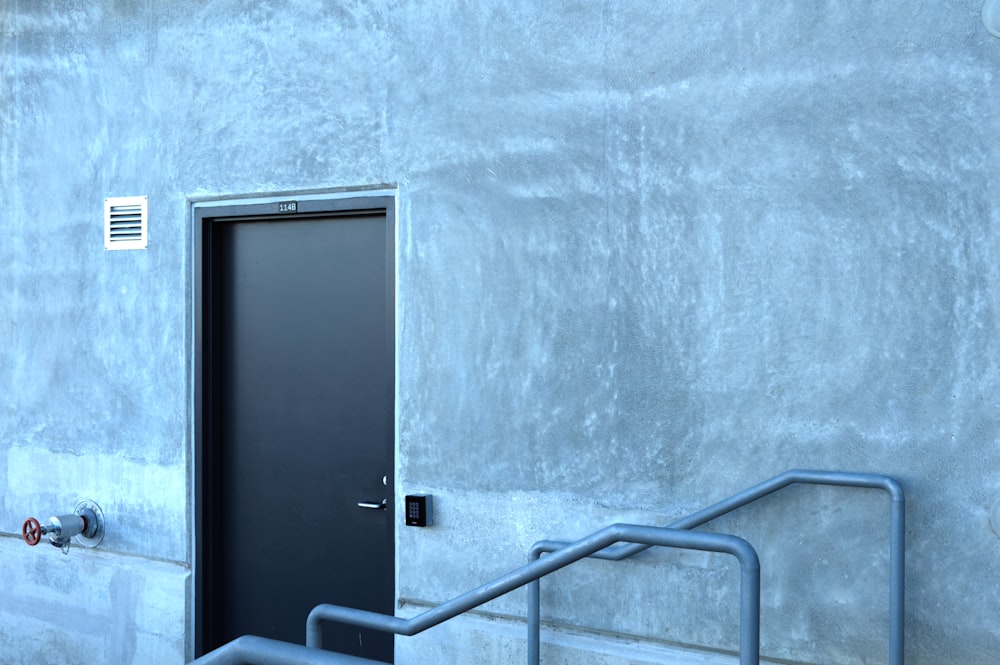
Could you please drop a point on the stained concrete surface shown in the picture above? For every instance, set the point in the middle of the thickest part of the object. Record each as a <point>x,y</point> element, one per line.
<point>89,607</point>
<point>649,254</point>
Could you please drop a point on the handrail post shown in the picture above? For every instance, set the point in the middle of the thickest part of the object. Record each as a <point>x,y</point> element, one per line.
<point>897,572</point>
<point>749,606</point>
<point>534,620</point>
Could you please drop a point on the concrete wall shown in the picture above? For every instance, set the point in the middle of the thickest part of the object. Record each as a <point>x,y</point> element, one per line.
<point>649,254</point>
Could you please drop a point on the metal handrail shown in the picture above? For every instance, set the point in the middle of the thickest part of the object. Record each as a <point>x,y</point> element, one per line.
<point>644,536</point>
<point>253,650</point>
<point>835,478</point>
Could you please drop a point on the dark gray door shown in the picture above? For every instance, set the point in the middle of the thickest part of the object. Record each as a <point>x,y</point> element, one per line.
<point>301,385</point>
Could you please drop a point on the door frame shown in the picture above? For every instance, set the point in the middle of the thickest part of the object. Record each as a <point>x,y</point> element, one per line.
<point>203,212</point>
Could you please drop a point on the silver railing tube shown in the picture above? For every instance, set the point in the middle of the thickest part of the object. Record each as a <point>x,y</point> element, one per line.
<point>253,650</point>
<point>647,536</point>
<point>834,478</point>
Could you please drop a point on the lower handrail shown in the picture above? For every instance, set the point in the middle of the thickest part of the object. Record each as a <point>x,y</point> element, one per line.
<point>835,478</point>
<point>645,536</point>
<point>254,650</point>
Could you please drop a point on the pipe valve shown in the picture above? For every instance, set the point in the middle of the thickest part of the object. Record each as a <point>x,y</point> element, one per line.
<point>86,524</point>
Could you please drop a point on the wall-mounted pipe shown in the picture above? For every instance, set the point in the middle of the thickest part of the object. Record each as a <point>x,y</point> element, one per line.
<point>646,536</point>
<point>86,524</point>
<point>835,478</point>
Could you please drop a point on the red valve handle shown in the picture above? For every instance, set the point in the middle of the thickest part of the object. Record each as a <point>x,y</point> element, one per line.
<point>31,531</point>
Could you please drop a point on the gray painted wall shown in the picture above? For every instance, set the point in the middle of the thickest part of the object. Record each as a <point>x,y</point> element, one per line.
<point>649,254</point>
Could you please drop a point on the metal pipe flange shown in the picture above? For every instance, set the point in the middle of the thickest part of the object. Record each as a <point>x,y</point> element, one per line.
<point>93,517</point>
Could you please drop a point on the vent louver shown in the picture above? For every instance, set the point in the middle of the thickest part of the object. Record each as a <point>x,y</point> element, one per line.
<point>125,221</point>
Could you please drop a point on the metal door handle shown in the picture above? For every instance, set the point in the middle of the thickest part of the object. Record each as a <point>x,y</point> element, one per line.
<point>374,506</point>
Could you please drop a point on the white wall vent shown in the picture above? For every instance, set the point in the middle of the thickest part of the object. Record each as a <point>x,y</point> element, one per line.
<point>125,220</point>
